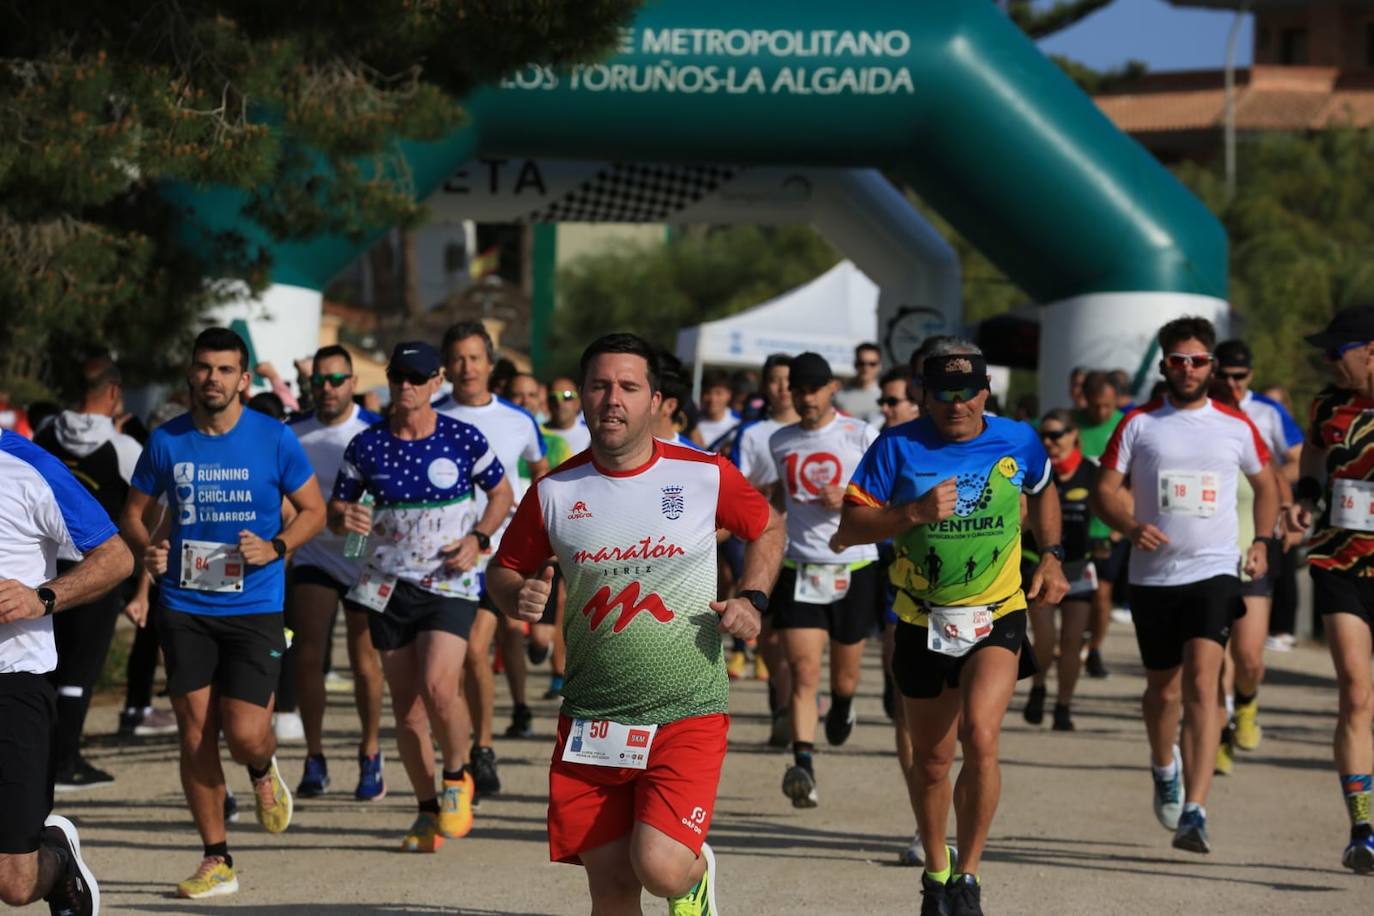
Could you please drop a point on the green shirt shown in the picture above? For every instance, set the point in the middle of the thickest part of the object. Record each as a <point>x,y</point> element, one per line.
<point>1092,441</point>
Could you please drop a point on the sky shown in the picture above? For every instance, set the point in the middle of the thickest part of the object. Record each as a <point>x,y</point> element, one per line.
<point>1166,37</point>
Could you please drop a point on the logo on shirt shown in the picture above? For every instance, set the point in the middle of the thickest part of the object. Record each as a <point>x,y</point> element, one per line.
<point>184,472</point>
<point>644,549</point>
<point>637,737</point>
<point>579,510</point>
<point>601,605</point>
<point>443,473</point>
<point>673,504</point>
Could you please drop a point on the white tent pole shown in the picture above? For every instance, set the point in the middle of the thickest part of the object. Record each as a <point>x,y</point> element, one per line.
<point>697,369</point>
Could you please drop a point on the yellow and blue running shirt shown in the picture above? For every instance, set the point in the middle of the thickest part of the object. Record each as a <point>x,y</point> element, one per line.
<point>974,556</point>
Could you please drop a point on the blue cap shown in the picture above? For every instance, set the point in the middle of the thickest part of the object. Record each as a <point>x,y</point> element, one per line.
<point>415,356</point>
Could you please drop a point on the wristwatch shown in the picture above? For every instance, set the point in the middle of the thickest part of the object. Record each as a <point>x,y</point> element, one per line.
<point>757,598</point>
<point>48,597</point>
<point>1054,550</point>
<point>279,546</point>
<point>483,541</point>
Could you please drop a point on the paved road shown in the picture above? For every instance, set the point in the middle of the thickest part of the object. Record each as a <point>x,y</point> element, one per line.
<point>1075,833</point>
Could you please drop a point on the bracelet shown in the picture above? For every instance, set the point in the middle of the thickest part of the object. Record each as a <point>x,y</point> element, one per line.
<point>1308,488</point>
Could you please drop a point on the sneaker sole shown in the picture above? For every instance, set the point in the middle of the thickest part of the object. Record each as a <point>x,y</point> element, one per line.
<point>288,801</point>
<point>801,791</point>
<point>1192,841</point>
<point>1360,861</point>
<point>370,798</point>
<point>302,792</point>
<point>74,841</point>
<point>142,732</point>
<point>65,787</point>
<point>710,856</point>
<point>219,890</point>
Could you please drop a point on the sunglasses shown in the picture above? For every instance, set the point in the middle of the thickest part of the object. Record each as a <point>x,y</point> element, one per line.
<point>398,376</point>
<point>1335,353</point>
<point>890,401</point>
<point>1236,376</point>
<point>1054,435</point>
<point>566,394</point>
<point>866,363</point>
<point>952,395</point>
<point>1188,360</point>
<point>333,379</point>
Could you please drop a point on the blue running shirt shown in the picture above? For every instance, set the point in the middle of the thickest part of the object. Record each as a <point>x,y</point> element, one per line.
<point>424,492</point>
<point>974,556</point>
<point>219,486</point>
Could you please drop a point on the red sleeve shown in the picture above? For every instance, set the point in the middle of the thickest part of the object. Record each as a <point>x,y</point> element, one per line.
<point>740,509</point>
<point>525,546</point>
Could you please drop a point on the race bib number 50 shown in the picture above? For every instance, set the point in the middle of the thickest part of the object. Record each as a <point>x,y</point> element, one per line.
<point>603,743</point>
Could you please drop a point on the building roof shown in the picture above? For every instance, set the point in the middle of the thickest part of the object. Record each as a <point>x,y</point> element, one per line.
<point>1267,98</point>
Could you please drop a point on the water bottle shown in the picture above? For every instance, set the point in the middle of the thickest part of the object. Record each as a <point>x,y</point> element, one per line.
<point>355,545</point>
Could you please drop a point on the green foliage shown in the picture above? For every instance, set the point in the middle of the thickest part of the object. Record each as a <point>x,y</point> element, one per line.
<point>1038,21</point>
<point>1302,244</point>
<point>653,290</point>
<point>301,103</point>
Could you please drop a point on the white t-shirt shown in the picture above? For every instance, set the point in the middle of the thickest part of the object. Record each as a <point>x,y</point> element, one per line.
<point>751,454</point>
<point>42,509</point>
<point>806,461</point>
<point>324,446</point>
<point>1183,466</point>
<point>578,437</point>
<point>1268,419</point>
<point>713,430</point>
<point>512,433</point>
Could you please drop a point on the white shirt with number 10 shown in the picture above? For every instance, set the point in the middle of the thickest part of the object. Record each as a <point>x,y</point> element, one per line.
<point>808,461</point>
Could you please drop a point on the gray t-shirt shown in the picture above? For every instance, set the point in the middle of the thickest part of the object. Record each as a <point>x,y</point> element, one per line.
<point>861,403</point>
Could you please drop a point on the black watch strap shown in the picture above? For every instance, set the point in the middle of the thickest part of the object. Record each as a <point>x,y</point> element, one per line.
<point>1056,551</point>
<point>757,598</point>
<point>49,599</point>
<point>280,547</point>
<point>483,540</point>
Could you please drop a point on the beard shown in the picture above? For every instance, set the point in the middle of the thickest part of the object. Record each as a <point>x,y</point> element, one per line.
<point>1189,393</point>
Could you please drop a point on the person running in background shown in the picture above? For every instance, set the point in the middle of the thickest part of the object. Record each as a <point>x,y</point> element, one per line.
<point>716,418</point>
<point>1096,422</point>
<point>565,415</point>
<point>1074,477</point>
<point>859,396</point>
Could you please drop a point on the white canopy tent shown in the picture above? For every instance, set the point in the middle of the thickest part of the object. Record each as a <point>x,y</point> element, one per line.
<point>829,315</point>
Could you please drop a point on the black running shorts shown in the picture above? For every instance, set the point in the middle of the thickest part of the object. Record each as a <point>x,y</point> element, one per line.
<point>848,621</point>
<point>314,575</point>
<point>1333,593</point>
<point>923,674</point>
<point>1168,616</point>
<point>28,709</point>
<point>413,610</point>
<point>239,654</point>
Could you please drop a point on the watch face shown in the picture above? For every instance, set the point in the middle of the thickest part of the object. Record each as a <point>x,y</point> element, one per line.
<point>908,328</point>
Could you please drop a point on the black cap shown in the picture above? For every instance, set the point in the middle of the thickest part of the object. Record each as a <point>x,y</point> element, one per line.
<point>1234,354</point>
<point>415,356</point>
<point>1350,325</point>
<point>954,370</point>
<point>809,370</point>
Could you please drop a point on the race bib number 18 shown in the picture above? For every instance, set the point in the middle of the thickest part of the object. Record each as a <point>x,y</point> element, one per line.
<point>1192,493</point>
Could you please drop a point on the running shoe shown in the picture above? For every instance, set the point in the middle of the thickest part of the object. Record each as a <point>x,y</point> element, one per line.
<point>424,835</point>
<point>701,899</point>
<point>555,687</point>
<point>799,784</point>
<point>316,778</point>
<point>963,893</point>
<point>913,855</point>
<point>734,668</point>
<point>1122,616</point>
<point>780,732</point>
<point>1226,754</point>
<point>537,653</point>
<point>1169,795</point>
<point>760,667</point>
<point>81,776</point>
<point>1034,713</point>
<point>484,777</point>
<point>231,807</point>
<point>1063,722</point>
<point>933,898</point>
<point>214,878</point>
<point>371,784</point>
<point>1094,665</point>
<point>288,727</point>
<point>837,729</point>
<point>75,892</point>
<point>334,682</point>
<point>521,722</point>
<point>1192,832</point>
<point>1280,642</point>
<point>273,800</point>
<point>455,807</point>
<point>147,723</point>
<point>1359,855</point>
<point>1247,728</point>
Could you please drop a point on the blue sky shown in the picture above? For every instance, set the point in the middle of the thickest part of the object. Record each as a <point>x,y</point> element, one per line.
<point>1164,36</point>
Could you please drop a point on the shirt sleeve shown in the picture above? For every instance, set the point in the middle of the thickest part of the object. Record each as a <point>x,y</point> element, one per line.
<point>740,509</point>
<point>1254,455</point>
<point>148,471</point>
<point>525,546</point>
<point>348,483</point>
<point>1292,432</point>
<point>1117,455</point>
<point>1037,464</point>
<point>875,476</point>
<point>534,445</point>
<point>487,470</point>
<point>72,514</point>
<point>293,466</point>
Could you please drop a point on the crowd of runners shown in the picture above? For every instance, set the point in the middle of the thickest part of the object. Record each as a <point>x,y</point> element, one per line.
<point>651,547</point>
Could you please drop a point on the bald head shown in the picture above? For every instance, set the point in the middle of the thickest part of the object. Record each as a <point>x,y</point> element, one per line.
<point>102,386</point>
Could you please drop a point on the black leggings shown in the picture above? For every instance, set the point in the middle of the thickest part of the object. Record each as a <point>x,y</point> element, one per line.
<point>142,669</point>
<point>83,637</point>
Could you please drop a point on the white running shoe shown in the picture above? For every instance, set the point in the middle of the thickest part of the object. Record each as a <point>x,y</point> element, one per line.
<point>289,727</point>
<point>1169,795</point>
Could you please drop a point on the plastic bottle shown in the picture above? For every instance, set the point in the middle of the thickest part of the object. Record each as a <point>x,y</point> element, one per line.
<point>355,545</point>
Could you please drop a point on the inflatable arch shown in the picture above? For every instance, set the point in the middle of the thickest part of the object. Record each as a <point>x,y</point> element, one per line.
<point>949,96</point>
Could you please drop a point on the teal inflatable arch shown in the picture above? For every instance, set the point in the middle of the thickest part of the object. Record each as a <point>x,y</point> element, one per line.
<point>949,96</point>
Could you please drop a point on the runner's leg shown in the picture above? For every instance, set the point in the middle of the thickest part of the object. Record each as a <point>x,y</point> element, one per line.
<point>1162,706</point>
<point>1349,637</point>
<point>933,726</point>
<point>665,867</point>
<point>441,670</point>
<point>611,878</point>
<point>1247,645</point>
<point>404,677</point>
<point>367,680</point>
<point>310,612</point>
<point>478,681</point>
<point>1073,620</point>
<point>985,689</point>
<point>248,732</point>
<point>845,664</point>
<point>1042,640</point>
<point>1201,717</point>
<point>512,635</point>
<point>803,648</point>
<point>202,776</point>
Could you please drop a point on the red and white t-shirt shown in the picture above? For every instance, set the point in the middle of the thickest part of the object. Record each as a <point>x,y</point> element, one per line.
<point>807,461</point>
<point>638,552</point>
<point>1183,466</point>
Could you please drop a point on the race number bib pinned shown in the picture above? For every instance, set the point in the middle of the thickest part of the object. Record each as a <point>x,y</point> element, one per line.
<point>821,583</point>
<point>954,631</point>
<point>602,743</point>
<point>209,566</point>
<point>373,590</point>
<point>1191,493</point>
<point>1352,504</point>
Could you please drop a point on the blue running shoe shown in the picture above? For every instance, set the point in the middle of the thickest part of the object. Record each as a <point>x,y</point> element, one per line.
<point>1169,795</point>
<point>1359,855</point>
<point>371,785</point>
<point>316,778</point>
<point>1192,832</point>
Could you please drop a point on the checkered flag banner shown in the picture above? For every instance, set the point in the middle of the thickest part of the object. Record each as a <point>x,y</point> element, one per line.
<point>626,192</point>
